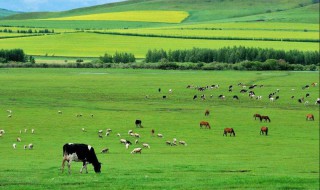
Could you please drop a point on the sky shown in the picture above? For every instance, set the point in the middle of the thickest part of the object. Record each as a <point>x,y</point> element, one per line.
<point>49,5</point>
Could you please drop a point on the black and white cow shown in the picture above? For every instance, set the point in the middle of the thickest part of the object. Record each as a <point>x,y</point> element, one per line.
<point>138,123</point>
<point>80,153</point>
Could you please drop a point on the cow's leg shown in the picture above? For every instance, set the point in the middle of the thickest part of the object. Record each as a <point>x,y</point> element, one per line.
<point>69,166</point>
<point>63,163</point>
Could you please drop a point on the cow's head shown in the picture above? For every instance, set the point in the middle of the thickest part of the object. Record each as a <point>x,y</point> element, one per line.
<point>97,167</point>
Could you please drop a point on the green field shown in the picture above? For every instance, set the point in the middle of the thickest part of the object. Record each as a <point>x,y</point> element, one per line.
<point>136,26</point>
<point>288,158</point>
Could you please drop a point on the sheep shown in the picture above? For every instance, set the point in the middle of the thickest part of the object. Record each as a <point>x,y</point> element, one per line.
<point>83,130</point>
<point>127,145</point>
<point>20,131</point>
<point>118,135</point>
<point>14,145</point>
<point>25,130</point>
<point>109,130</point>
<point>0,135</point>
<point>146,145</point>
<point>32,131</point>
<point>9,116</point>
<point>59,112</point>
<point>170,90</point>
<point>9,111</point>
<point>136,141</point>
<point>18,139</point>
<point>105,150</point>
<point>91,115</point>
<point>100,131</point>
<point>30,146</point>
<point>306,103</point>
<point>160,135</point>
<point>168,143</point>
<point>137,135</point>
<point>130,131</point>
<point>136,150</point>
<point>25,147</point>
<point>107,133</point>
<point>183,143</point>
<point>123,141</point>
<point>100,136</point>
<point>2,131</point>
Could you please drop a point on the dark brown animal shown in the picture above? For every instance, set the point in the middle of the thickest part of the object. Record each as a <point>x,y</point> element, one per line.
<point>205,123</point>
<point>229,130</point>
<point>264,130</point>
<point>206,113</point>
<point>256,115</point>
<point>310,117</point>
<point>265,118</point>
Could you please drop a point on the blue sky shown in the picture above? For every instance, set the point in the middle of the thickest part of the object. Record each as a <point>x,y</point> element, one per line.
<point>49,5</point>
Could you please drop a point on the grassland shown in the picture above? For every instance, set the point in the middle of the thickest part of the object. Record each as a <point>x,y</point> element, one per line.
<point>288,158</point>
<point>139,16</point>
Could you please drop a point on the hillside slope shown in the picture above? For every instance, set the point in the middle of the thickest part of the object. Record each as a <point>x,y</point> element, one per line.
<point>200,10</point>
<point>5,13</point>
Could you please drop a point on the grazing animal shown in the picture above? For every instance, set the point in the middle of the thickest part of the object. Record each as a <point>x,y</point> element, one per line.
<point>317,101</point>
<point>136,150</point>
<point>229,130</point>
<point>164,97</point>
<point>183,143</point>
<point>205,123</point>
<point>146,145</point>
<point>100,136</point>
<point>256,115</point>
<point>32,131</point>
<point>195,97</point>
<point>222,97</point>
<point>310,117</point>
<point>127,145</point>
<point>206,113</point>
<point>25,147</point>
<point>152,132</point>
<point>138,123</point>
<point>305,87</point>
<point>83,130</point>
<point>243,91</point>
<point>264,130</point>
<point>80,153</point>
<point>2,131</point>
<point>118,135</point>
<point>168,143</point>
<point>30,146</point>
<point>265,118</point>
<point>307,95</point>
<point>123,141</point>
<point>235,97</point>
<point>136,141</point>
<point>314,84</point>
<point>159,90</point>
<point>160,135</point>
<point>59,112</point>
<point>105,150</point>
<point>14,145</point>
<point>18,139</point>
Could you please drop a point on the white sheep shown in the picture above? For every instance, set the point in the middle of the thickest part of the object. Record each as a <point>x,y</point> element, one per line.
<point>160,135</point>
<point>137,135</point>
<point>2,131</point>
<point>183,143</point>
<point>118,135</point>
<point>100,131</point>
<point>105,150</point>
<point>32,131</point>
<point>83,130</point>
<point>123,141</point>
<point>9,116</point>
<point>25,130</point>
<point>107,133</point>
<point>136,141</point>
<point>30,146</point>
<point>25,147</point>
<point>127,145</point>
<point>130,131</point>
<point>9,111</point>
<point>136,150</point>
<point>14,145</point>
<point>146,145</point>
<point>18,139</point>
<point>59,112</point>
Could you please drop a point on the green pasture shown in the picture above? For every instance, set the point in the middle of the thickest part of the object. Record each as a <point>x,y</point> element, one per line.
<point>288,158</point>
<point>95,45</point>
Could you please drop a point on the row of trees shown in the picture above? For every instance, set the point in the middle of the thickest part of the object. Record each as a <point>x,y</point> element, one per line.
<point>15,55</point>
<point>29,31</point>
<point>118,58</point>
<point>233,55</point>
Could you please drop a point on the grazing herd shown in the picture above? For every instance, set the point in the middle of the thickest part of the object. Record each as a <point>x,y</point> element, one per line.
<point>74,152</point>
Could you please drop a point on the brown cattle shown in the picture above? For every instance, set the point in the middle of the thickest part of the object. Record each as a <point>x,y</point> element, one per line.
<point>205,123</point>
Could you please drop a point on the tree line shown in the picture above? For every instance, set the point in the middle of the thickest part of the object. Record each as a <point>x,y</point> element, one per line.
<point>15,55</point>
<point>28,31</point>
<point>118,57</point>
<point>233,55</point>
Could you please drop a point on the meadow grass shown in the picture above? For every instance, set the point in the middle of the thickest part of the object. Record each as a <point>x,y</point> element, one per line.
<point>288,158</point>
<point>95,45</point>
<point>140,16</point>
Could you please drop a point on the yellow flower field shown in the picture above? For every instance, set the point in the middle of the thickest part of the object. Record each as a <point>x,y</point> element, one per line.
<point>141,16</point>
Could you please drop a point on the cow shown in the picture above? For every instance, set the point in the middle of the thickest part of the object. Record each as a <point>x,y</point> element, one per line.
<point>206,113</point>
<point>138,123</point>
<point>80,153</point>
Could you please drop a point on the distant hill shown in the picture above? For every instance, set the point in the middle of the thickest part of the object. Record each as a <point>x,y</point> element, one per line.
<point>203,10</point>
<point>5,13</point>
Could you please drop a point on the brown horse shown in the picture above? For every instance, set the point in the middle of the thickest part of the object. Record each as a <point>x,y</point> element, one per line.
<point>229,130</point>
<point>265,118</point>
<point>256,115</point>
<point>206,113</point>
<point>310,117</point>
<point>205,123</point>
<point>264,130</point>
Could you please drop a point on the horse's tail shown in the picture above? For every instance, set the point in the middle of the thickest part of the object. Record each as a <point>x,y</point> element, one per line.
<point>269,119</point>
<point>209,126</point>
<point>234,134</point>
<point>266,130</point>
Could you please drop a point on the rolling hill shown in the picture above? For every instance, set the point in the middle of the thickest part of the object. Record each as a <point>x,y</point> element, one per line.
<point>201,10</point>
<point>5,13</point>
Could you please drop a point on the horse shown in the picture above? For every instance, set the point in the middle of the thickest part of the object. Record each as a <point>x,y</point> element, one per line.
<point>256,115</point>
<point>206,113</point>
<point>310,117</point>
<point>264,130</point>
<point>229,130</point>
<point>265,118</point>
<point>205,123</point>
